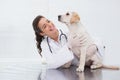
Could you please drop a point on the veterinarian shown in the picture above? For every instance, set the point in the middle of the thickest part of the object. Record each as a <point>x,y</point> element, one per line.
<point>52,43</point>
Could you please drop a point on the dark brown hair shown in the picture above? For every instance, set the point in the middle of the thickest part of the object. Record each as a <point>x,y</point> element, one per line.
<point>37,30</point>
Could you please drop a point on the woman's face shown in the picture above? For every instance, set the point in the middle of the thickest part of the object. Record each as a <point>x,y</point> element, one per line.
<point>47,27</point>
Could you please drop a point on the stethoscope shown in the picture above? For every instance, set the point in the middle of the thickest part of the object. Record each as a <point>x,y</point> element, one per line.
<point>62,34</point>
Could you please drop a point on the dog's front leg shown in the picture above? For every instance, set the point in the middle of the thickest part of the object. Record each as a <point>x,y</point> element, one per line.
<point>82,60</point>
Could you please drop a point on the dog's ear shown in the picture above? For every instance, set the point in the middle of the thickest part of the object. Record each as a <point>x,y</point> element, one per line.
<point>75,18</point>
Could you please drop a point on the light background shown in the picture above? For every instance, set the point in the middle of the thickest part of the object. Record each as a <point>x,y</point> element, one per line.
<point>17,40</point>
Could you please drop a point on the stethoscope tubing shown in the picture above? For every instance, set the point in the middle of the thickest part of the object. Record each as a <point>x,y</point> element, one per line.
<point>62,34</point>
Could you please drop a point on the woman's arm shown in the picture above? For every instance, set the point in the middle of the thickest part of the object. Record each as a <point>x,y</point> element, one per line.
<point>55,60</point>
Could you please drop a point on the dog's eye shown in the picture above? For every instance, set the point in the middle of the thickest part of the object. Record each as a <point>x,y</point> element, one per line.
<point>48,21</point>
<point>67,14</point>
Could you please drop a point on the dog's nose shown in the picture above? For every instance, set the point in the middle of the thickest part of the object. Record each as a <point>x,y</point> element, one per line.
<point>59,16</point>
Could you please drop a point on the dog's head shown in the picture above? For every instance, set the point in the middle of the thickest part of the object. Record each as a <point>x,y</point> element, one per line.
<point>69,18</point>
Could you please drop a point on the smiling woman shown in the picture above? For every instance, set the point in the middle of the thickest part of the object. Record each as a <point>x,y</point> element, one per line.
<point>50,44</point>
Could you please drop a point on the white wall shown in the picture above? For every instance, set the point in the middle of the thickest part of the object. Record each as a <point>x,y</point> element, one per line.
<point>17,41</point>
<point>101,18</point>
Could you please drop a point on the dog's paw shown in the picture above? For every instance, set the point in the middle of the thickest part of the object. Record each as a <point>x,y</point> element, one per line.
<point>80,69</point>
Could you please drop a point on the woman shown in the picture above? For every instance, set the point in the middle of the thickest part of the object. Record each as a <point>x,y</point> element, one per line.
<point>52,43</point>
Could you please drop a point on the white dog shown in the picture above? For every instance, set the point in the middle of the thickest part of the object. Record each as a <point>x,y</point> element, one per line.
<point>86,51</point>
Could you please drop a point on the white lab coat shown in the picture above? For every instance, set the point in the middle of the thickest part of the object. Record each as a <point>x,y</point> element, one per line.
<point>60,52</point>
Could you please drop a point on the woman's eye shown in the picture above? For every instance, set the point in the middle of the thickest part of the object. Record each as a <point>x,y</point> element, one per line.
<point>67,14</point>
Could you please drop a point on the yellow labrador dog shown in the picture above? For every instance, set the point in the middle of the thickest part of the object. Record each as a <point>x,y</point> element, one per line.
<point>86,51</point>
